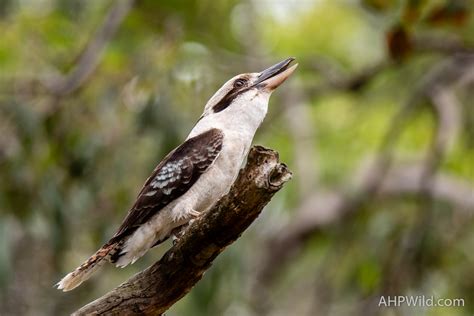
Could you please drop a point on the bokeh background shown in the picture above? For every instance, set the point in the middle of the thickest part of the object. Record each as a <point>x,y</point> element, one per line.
<point>377,125</point>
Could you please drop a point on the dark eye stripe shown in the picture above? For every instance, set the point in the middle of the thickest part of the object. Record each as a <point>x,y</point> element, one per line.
<point>230,96</point>
<point>225,102</point>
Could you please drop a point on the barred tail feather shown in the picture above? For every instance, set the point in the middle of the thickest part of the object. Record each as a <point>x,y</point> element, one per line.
<point>85,270</point>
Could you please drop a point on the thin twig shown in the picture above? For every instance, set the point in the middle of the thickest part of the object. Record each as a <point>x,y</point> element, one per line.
<point>90,58</point>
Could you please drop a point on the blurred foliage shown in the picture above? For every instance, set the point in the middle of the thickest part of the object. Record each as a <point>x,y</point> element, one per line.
<point>71,164</point>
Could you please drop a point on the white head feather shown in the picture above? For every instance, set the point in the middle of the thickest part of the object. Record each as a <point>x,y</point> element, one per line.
<point>241,104</point>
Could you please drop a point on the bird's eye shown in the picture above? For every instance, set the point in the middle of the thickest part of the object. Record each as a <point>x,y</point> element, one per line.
<point>239,83</point>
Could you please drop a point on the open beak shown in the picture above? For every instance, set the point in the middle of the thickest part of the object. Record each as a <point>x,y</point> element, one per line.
<point>271,78</point>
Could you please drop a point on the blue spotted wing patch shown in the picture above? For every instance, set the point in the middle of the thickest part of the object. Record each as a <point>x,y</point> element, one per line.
<point>175,174</point>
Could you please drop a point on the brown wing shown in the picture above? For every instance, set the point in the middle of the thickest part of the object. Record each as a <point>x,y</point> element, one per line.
<point>175,174</point>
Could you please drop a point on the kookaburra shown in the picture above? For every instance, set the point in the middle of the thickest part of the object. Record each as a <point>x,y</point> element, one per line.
<point>195,175</point>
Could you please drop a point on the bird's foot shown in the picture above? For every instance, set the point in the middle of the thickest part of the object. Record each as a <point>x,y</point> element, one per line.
<point>194,214</point>
<point>174,239</point>
<point>177,233</point>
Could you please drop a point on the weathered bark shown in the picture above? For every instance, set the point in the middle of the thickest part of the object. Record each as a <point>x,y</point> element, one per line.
<point>155,289</point>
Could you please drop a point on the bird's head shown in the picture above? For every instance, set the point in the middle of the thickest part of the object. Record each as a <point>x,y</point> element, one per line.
<point>246,95</point>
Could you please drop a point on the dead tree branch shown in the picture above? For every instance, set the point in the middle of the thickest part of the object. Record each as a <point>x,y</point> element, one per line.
<point>154,290</point>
